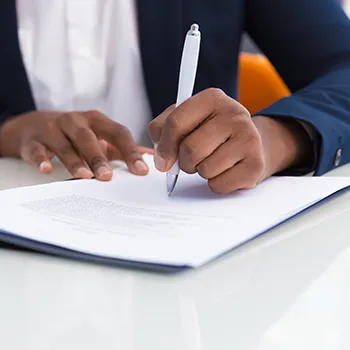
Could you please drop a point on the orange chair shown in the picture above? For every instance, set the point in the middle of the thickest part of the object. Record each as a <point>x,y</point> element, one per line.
<point>259,83</point>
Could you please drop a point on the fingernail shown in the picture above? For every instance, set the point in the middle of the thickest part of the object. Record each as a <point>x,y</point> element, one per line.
<point>83,173</point>
<point>45,166</point>
<point>141,167</point>
<point>103,171</point>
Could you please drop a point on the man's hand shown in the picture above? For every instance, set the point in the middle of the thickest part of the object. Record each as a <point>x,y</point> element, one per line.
<point>83,141</point>
<point>214,135</point>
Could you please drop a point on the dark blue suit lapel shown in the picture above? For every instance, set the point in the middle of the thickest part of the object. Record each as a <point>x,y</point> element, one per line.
<point>161,33</point>
<point>15,93</point>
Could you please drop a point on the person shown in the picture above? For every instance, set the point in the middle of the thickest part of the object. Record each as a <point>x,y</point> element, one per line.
<point>85,81</point>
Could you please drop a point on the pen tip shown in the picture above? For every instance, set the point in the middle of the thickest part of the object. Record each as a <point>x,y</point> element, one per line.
<point>171,182</point>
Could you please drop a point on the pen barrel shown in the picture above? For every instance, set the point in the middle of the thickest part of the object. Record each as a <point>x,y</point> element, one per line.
<point>188,68</point>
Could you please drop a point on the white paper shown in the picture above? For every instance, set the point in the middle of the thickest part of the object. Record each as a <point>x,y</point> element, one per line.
<point>132,217</point>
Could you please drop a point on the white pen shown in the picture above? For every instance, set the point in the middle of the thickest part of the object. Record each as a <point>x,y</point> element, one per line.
<point>187,77</point>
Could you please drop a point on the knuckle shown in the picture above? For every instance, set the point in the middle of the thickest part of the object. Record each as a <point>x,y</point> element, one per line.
<point>96,161</point>
<point>121,130</point>
<point>258,166</point>
<point>217,95</point>
<point>173,124</point>
<point>83,134</point>
<point>254,170</point>
<point>154,130</point>
<point>251,180</point>
<point>47,130</point>
<point>254,147</point>
<point>236,113</point>
<point>250,184</point>
<point>218,187</point>
<point>188,149</point>
<point>163,150</point>
<point>94,114</point>
<point>253,137</point>
<point>133,154</point>
<point>170,109</point>
<point>32,152</point>
<point>246,133</point>
<point>152,126</point>
<point>187,167</point>
<point>239,119</point>
<point>65,149</point>
<point>188,157</point>
<point>66,118</point>
<point>215,92</point>
<point>251,145</point>
<point>259,162</point>
<point>204,170</point>
<point>34,149</point>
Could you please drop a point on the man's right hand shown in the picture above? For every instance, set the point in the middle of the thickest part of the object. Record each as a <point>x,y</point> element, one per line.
<point>84,142</point>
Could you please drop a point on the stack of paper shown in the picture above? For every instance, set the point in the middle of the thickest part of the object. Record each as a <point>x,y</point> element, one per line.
<point>132,219</point>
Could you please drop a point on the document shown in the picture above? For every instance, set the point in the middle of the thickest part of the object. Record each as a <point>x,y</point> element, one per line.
<point>132,218</point>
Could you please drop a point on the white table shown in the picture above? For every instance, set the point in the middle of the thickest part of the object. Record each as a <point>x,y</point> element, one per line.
<point>289,289</point>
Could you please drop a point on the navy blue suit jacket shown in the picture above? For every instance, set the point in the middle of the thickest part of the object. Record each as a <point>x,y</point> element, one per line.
<point>307,41</point>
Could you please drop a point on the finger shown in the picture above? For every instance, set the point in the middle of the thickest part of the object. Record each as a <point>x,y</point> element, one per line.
<point>155,127</point>
<point>67,154</point>
<point>36,154</point>
<point>113,153</point>
<point>145,150</point>
<point>188,117</point>
<point>204,141</point>
<point>222,159</point>
<point>104,146</point>
<point>110,151</point>
<point>89,147</point>
<point>245,174</point>
<point>120,137</point>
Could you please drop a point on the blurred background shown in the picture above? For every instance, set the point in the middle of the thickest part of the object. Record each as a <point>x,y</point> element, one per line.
<point>259,83</point>
<point>249,46</point>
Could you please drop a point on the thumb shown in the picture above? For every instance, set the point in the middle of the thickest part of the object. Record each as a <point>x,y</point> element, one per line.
<point>156,126</point>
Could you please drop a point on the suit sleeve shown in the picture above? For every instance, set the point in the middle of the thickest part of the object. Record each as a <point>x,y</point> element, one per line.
<point>15,92</point>
<point>308,42</point>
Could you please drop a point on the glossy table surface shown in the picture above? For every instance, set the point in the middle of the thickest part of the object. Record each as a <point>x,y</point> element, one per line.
<point>288,289</point>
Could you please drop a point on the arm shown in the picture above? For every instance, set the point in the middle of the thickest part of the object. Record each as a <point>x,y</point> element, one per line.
<point>309,44</point>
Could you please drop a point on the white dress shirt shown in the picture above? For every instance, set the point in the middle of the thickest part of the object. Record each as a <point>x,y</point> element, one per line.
<point>84,54</point>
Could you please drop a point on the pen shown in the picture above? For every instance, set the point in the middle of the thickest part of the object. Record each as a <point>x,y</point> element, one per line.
<point>187,77</point>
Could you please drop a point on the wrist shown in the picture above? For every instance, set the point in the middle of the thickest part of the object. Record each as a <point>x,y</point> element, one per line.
<point>285,142</point>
